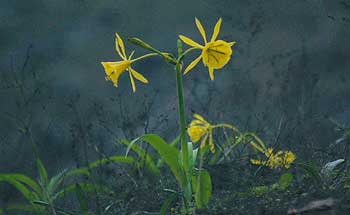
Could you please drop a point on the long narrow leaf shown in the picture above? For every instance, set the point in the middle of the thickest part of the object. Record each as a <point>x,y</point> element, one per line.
<point>173,143</point>
<point>115,159</point>
<point>69,189</point>
<point>81,199</point>
<point>55,182</point>
<point>43,176</point>
<point>167,204</point>
<point>29,195</point>
<point>16,207</point>
<point>169,153</point>
<point>25,180</point>
<point>143,155</point>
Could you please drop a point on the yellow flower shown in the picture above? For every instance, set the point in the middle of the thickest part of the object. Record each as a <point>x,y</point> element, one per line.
<point>199,129</point>
<point>276,160</point>
<point>289,158</point>
<point>113,70</point>
<point>215,53</point>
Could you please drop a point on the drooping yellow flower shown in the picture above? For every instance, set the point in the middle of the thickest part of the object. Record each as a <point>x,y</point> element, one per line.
<point>215,53</point>
<point>113,70</point>
<point>199,129</point>
<point>275,160</point>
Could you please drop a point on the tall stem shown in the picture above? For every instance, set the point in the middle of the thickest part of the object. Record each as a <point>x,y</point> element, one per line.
<point>181,104</point>
<point>184,148</point>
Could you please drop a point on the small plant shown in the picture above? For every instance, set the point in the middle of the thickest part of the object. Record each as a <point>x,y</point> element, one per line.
<point>185,163</point>
<point>41,194</point>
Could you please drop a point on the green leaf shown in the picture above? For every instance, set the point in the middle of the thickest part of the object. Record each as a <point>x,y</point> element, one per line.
<point>259,190</point>
<point>312,170</point>
<point>17,207</point>
<point>58,210</point>
<point>82,199</point>
<point>167,204</point>
<point>169,153</point>
<point>230,144</point>
<point>26,181</point>
<point>55,182</point>
<point>173,143</point>
<point>191,159</point>
<point>285,180</point>
<point>11,179</point>
<point>201,183</point>
<point>143,155</point>
<point>97,163</point>
<point>69,189</point>
<point>44,179</point>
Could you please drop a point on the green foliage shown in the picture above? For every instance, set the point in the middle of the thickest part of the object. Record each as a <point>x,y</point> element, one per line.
<point>169,153</point>
<point>201,183</point>
<point>81,199</point>
<point>284,181</point>
<point>143,156</point>
<point>45,190</point>
<point>97,163</point>
<point>167,203</point>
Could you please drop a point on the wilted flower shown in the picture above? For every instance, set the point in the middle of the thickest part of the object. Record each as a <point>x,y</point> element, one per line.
<point>215,53</point>
<point>276,160</point>
<point>198,129</point>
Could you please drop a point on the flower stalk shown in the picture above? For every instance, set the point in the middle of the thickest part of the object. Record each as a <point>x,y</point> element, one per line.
<point>183,136</point>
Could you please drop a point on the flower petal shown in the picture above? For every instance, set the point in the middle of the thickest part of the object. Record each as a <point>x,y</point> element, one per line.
<point>192,64</point>
<point>138,76</point>
<point>119,45</point>
<point>201,30</point>
<point>216,54</point>
<point>189,42</point>
<point>216,30</point>
<point>197,116</point>
<point>204,141</point>
<point>196,133</point>
<point>211,142</point>
<point>211,73</point>
<point>132,82</point>
<point>232,43</point>
<point>114,69</point>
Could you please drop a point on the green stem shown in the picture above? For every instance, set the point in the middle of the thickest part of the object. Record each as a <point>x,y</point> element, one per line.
<point>183,137</point>
<point>181,104</point>
<point>144,56</point>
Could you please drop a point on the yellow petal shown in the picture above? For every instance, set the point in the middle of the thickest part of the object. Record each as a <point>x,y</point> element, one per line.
<point>216,54</point>
<point>132,53</point>
<point>211,143</point>
<point>114,69</point>
<point>204,141</point>
<point>196,133</point>
<point>197,122</point>
<point>232,43</point>
<point>216,30</point>
<point>211,73</point>
<point>132,82</point>
<point>192,64</point>
<point>255,162</point>
<point>189,42</point>
<point>197,116</point>
<point>138,76</point>
<point>201,30</point>
<point>119,43</point>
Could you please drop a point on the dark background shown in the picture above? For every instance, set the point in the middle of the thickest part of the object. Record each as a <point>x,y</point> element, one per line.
<point>289,74</point>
